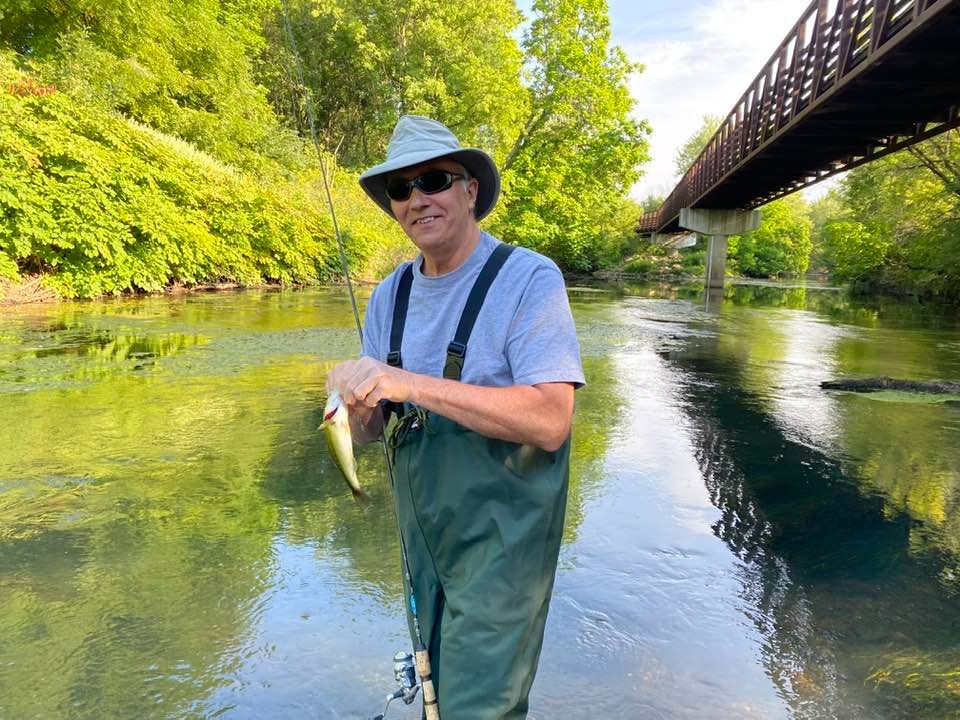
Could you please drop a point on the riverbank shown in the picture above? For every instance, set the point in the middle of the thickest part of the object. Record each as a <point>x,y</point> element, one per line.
<point>97,204</point>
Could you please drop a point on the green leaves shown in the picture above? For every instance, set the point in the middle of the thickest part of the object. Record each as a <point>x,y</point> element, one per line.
<point>692,148</point>
<point>366,62</point>
<point>895,223</point>
<point>579,151</point>
<point>781,245</point>
<point>104,205</point>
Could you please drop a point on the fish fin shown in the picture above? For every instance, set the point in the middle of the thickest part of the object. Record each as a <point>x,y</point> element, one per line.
<point>360,496</point>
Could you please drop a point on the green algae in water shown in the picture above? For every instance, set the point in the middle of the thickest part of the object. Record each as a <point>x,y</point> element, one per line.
<point>928,682</point>
<point>903,396</point>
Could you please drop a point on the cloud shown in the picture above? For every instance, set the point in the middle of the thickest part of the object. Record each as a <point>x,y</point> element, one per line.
<point>703,66</point>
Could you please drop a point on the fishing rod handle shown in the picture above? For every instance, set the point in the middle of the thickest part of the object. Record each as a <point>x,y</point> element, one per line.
<point>430,707</point>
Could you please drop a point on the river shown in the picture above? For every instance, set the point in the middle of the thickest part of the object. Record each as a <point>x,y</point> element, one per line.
<point>176,543</point>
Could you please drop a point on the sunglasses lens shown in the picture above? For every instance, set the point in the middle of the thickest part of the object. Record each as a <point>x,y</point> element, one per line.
<point>399,189</point>
<point>434,181</point>
<point>430,182</point>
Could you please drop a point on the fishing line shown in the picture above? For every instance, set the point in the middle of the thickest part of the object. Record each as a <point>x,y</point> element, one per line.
<point>420,650</point>
<point>323,167</point>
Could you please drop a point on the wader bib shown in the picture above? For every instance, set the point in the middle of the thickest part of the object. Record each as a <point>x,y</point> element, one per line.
<point>482,520</point>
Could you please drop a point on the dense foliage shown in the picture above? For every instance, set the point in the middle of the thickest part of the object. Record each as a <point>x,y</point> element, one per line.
<point>104,205</point>
<point>579,151</point>
<point>367,62</point>
<point>181,66</point>
<point>895,223</point>
<point>171,148</point>
<point>780,246</point>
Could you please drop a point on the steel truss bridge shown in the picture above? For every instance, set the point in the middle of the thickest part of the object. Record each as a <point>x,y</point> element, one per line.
<point>854,80</point>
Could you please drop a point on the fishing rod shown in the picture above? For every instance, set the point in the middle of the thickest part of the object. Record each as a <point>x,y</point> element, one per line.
<point>403,667</point>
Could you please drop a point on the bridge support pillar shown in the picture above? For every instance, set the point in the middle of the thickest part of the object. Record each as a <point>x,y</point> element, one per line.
<point>716,261</point>
<point>719,225</point>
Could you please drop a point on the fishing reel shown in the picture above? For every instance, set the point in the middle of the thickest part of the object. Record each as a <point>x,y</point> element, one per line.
<point>405,673</point>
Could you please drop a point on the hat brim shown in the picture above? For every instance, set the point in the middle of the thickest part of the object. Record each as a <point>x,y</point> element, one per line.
<point>477,162</point>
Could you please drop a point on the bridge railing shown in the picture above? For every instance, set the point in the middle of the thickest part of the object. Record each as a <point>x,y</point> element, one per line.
<point>832,39</point>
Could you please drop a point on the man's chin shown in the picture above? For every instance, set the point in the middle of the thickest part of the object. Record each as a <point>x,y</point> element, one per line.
<point>426,233</point>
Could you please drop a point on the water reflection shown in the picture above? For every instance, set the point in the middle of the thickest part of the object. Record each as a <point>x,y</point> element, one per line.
<point>175,541</point>
<point>852,605</point>
<point>152,525</point>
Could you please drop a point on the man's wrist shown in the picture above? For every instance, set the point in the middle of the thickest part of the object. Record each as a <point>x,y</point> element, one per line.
<point>415,385</point>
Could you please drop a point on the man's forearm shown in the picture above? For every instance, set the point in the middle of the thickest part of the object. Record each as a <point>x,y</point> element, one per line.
<point>530,414</point>
<point>537,415</point>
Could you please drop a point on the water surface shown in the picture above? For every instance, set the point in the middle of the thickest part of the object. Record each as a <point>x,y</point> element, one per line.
<point>175,541</point>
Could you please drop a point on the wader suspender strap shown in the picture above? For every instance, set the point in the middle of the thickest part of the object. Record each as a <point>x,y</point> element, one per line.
<point>400,304</point>
<point>457,350</point>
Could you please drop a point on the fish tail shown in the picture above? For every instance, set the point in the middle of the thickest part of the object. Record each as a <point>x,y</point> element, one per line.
<point>360,496</point>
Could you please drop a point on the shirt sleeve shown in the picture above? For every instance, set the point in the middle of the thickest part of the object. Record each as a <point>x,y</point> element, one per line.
<point>373,325</point>
<point>542,343</point>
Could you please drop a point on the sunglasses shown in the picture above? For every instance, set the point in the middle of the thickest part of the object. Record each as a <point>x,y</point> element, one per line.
<point>429,183</point>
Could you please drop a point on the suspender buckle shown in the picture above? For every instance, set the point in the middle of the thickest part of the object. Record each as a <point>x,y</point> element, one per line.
<point>393,359</point>
<point>453,368</point>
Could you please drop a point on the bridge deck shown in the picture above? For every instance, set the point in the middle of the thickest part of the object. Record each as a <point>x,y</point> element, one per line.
<point>870,77</point>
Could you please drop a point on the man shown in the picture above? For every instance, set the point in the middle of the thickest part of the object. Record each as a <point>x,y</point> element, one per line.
<point>474,343</point>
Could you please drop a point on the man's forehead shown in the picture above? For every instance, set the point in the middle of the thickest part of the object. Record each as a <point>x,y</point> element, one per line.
<point>436,164</point>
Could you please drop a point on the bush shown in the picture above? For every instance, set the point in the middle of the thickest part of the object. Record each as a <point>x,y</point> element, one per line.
<point>8,268</point>
<point>104,205</point>
<point>781,245</point>
<point>640,266</point>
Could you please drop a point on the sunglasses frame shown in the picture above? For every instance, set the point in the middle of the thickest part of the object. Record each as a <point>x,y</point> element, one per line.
<point>417,182</point>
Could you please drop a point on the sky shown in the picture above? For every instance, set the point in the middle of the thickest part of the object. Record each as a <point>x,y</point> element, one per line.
<point>699,57</point>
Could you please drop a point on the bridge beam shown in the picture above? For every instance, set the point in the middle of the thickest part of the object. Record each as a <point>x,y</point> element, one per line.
<point>718,225</point>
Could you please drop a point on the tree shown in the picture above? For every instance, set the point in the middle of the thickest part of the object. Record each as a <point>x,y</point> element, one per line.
<point>826,210</point>
<point>366,62</point>
<point>899,225</point>
<point>181,66</point>
<point>781,245</point>
<point>652,202</point>
<point>691,149</point>
<point>578,151</point>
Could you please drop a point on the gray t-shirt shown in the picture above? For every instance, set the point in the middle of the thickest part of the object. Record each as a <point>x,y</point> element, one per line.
<point>524,333</point>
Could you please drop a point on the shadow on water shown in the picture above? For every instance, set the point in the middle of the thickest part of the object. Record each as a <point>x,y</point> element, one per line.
<point>855,620</point>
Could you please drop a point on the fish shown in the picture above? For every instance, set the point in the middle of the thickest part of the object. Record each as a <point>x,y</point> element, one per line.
<point>337,427</point>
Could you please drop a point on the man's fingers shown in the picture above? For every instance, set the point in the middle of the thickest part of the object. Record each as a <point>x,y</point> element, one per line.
<point>336,377</point>
<point>356,376</point>
<point>374,397</point>
<point>362,382</point>
<point>368,387</point>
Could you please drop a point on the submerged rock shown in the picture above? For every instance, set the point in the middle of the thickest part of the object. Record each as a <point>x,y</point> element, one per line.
<point>876,384</point>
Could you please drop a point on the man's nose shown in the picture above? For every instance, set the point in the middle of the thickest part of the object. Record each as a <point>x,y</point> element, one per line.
<point>418,199</point>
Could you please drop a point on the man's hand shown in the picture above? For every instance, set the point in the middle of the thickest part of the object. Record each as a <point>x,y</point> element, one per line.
<point>363,383</point>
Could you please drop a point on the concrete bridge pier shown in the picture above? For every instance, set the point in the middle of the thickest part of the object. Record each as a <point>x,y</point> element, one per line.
<point>718,225</point>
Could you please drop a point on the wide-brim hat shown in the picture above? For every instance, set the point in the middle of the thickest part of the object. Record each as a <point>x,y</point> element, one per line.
<point>418,139</point>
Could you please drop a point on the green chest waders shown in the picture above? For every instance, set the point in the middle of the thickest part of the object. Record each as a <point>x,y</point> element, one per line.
<point>482,519</point>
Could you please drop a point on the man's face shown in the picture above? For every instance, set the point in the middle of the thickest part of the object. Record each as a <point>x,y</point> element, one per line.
<point>438,222</point>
